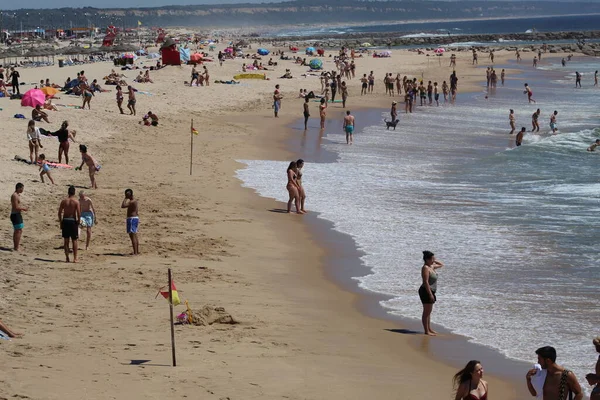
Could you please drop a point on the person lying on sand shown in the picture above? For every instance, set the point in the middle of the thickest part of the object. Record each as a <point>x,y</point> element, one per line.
<point>10,333</point>
<point>3,89</point>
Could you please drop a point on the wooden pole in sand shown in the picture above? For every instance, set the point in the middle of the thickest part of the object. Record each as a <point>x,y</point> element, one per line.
<point>191,145</point>
<point>172,323</point>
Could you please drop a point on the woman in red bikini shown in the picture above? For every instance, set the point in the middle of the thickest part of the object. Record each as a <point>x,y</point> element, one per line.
<point>469,383</point>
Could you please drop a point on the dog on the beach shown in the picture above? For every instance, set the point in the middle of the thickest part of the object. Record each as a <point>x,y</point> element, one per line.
<point>391,124</point>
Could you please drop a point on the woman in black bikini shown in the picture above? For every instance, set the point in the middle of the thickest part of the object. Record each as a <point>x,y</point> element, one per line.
<point>428,289</point>
<point>64,134</point>
<point>293,188</point>
<point>299,165</point>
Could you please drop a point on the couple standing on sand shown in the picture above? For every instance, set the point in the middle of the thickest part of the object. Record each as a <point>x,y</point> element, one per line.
<point>294,186</point>
<point>547,380</point>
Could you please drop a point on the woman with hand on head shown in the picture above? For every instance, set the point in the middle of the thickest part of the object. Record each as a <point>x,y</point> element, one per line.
<point>428,289</point>
<point>469,383</point>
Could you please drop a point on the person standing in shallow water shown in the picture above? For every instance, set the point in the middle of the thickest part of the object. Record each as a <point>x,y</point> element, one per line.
<point>293,188</point>
<point>469,382</point>
<point>428,289</point>
<point>306,112</point>
<point>299,166</point>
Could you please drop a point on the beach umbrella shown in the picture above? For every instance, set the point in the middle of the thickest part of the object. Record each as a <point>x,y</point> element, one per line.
<point>439,50</point>
<point>33,97</point>
<point>49,91</point>
<point>262,52</point>
<point>293,48</point>
<point>316,63</point>
<point>366,44</point>
<point>228,50</point>
<point>310,50</point>
<point>196,58</point>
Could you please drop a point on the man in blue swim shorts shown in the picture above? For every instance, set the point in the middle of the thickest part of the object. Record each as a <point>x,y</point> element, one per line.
<point>15,214</point>
<point>88,216</point>
<point>133,219</point>
<point>349,126</point>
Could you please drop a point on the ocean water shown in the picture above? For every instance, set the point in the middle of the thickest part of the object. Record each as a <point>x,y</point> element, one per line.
<point>517,228</point>
<point>483,26</point>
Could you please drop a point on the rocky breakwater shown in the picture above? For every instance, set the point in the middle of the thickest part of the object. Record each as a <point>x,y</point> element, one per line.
<point>572,41</point>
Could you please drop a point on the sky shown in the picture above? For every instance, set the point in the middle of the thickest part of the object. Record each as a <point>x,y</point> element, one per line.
<point>136,3</point>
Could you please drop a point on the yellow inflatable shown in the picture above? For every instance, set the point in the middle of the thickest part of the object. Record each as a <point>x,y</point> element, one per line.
<point>250,76</point>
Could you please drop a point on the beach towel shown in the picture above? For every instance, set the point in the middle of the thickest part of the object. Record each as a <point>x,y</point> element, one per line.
<point>538,380</point>
<point>20,116</point>
<point>4,336</point>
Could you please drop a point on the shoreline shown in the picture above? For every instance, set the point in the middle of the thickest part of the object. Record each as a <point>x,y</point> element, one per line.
<point>299,335</point>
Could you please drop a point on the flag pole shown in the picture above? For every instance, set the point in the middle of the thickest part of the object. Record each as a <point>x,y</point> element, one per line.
<point>191,145</point>
<point>172,323</point>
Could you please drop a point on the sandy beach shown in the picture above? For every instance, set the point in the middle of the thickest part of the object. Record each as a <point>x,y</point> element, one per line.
<point>95,330</point>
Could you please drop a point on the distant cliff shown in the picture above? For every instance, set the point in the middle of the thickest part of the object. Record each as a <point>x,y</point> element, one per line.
<point>289,13</point>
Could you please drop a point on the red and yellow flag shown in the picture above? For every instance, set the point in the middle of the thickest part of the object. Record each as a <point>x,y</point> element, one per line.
<point>194,131</point>
<point>174,293</point>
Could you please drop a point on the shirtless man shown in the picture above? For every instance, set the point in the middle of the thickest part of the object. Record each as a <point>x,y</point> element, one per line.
<point>553,125</point>
<point>349,126</point>
<point>15,214</point>
<point>93,166</point>
<point>371,82</point>
<point>529,93</point>
<point>133,219</point>
<point>519,137</point>
<point>364,84</point>
<point>131,101</point>
<point>88,216</point>
<point>594,145</point>
<point>534,121</point>
<point>69,214</point>
<point>557,378</point>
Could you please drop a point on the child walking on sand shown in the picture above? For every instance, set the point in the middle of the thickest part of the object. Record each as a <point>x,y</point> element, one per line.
<point>44,168</point>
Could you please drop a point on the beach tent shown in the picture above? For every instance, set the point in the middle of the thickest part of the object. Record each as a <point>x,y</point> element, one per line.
<point>262,52</point>
<point>33,97</point>
<point>366,44</point>
<point>184,54</point>
<point>170,54</point>
<point>321,52</point>
<point>315,63</point>
<point>310,50</point>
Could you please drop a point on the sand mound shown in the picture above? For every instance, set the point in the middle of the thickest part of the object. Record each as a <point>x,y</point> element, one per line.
<point>209,315</point>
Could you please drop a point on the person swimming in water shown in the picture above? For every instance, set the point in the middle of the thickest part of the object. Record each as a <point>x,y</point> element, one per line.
<point>594,145</point>
<point>519,138</point>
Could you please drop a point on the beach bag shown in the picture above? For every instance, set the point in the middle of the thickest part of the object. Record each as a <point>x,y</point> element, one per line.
<point>20,116</point>
<point>16,96</point>
<point>563,386</point>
